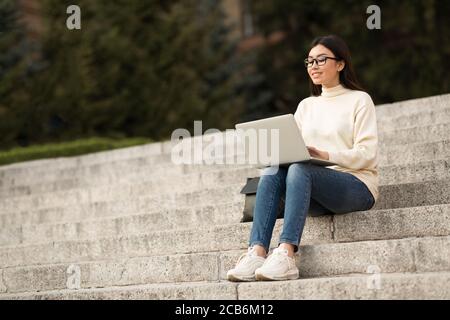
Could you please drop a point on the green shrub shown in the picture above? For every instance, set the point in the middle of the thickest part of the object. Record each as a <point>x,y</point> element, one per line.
<point>67,149</point>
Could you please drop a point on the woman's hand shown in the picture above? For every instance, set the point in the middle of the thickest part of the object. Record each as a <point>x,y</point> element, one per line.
<point>316,153</point>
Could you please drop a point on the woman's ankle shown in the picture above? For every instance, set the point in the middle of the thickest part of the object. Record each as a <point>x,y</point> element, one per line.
<point>260,250</point>
<point>289,247</point>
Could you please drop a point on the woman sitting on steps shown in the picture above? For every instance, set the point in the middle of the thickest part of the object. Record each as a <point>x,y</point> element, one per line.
<point>338,117</point>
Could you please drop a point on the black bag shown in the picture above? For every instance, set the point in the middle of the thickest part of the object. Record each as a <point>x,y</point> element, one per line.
<point>250,198</point>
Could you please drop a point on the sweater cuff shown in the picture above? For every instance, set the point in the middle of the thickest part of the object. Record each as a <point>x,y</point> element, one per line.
<point>333,157</point>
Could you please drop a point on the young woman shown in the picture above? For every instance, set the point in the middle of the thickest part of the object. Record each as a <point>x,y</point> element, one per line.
<point>338,123</point>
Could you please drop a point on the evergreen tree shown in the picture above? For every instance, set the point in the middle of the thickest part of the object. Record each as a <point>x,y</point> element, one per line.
<point>136,68</point>
<point>145,68</point>
<point>16,64</point>
<point>407,58</point>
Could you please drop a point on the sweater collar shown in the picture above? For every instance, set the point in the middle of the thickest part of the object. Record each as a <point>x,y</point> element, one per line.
<point>334,91</point>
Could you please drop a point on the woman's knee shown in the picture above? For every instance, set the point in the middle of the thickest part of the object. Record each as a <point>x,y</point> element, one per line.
<point>273,176</point>
<point>298,169</point>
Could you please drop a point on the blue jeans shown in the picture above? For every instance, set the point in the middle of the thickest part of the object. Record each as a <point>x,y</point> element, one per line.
<point>307,188</point>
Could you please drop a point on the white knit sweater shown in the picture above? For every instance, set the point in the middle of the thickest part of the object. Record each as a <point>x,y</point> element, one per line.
<point>343,123</point>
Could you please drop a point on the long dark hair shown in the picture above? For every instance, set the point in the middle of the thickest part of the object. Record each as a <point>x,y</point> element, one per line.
<point>347,76</point>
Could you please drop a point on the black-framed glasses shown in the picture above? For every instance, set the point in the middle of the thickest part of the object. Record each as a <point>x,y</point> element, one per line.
<point>309,62</point>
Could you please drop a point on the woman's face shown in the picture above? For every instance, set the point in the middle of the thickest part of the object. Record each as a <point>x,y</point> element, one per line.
<point>327,74</point>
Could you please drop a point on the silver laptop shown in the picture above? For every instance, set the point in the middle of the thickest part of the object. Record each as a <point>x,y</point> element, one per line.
<point>291,146</point>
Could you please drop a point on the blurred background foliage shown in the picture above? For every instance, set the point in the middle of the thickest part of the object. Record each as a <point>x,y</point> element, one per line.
<point>144,68</point>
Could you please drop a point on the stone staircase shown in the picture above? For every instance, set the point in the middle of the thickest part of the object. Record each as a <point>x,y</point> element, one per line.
<point>130,224</point>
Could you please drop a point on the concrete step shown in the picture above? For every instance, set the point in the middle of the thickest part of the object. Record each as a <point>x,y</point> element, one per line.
<point>392,155</point>
<point>168,182</point>
<point>127,232</point>
<point>115,210</point>
<point>89,228</point>
<point>423,118</point>
<point>92,226</point>
<point>429,254</point>
<point>126,170</point>
<point>24,226</point>
<point>113,171</point>
<point>23,179</point>
<point>415,152</point>
<point>413,106</point>
<point>195,177</point>
<point>54,169</point>
<point>389,174</point>
<point>391,196</point>
<point>194,182</point>
<point>383,256</point>
<point>417,134</point>
<point>126,193</point>
<point>356,226</point>
<point>400,286</point>
<point>414,194</point>
<point>414,172</point>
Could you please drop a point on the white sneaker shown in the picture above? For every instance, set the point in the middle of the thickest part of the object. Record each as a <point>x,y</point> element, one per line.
<point>246,266</point>
<point>278,266</point>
